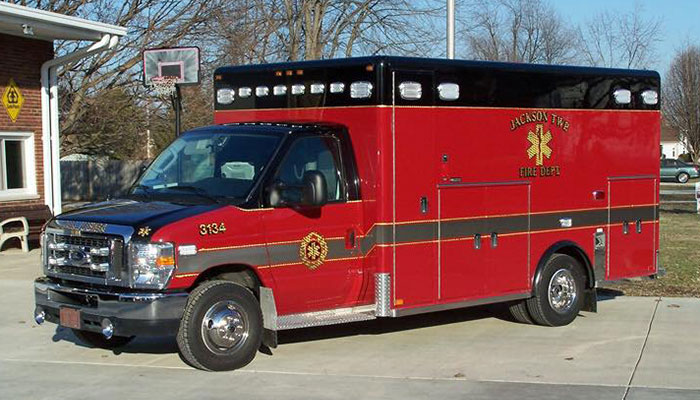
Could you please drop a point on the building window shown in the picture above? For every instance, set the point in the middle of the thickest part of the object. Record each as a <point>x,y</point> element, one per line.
<point>17,168</point>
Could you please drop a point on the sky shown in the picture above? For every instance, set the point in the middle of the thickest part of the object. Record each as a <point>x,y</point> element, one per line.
<point>680,20</point>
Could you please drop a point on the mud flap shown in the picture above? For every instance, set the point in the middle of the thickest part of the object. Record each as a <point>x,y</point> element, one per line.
<point>269,338</point>
<point>590,300</point>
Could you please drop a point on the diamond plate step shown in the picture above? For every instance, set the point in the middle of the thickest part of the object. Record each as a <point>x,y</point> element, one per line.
<point>326,317</point>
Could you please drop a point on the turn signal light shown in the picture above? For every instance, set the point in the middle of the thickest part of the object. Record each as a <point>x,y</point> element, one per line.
<point>165,260</point>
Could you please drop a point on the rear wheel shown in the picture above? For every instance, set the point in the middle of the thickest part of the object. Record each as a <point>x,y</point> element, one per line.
<point>98,340</point>
<point>519,312</point>
<point>558,292</point>
<point>221,328</point>
<point>683,177</point>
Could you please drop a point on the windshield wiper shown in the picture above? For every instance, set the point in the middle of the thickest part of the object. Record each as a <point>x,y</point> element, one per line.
<point>197,191</point>
<point>147,190</point>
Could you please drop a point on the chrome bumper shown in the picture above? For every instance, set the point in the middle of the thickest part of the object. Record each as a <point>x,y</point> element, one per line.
<point>132,314</point>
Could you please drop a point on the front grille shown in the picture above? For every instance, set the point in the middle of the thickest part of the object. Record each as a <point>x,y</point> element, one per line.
<point>83,240</point>
<point>83,257</point>
<point>67,269</point>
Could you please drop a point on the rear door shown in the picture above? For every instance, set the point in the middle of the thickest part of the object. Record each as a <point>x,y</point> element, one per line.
<point>632,226</point>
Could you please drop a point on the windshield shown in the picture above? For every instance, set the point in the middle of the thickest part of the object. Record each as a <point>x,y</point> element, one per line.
<point>211,165</point>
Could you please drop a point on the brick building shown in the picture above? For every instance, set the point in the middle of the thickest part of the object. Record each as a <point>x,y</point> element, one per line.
<point>29,129</point>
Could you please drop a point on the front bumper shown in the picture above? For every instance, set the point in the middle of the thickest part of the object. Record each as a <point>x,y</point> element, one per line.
<point>132,314</point>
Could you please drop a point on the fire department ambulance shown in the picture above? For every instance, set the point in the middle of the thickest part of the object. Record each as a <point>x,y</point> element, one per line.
<point>346,190</point>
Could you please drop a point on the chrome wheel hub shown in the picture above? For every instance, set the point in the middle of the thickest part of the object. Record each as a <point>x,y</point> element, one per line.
<point>224,327</point>
<point>562,291</point>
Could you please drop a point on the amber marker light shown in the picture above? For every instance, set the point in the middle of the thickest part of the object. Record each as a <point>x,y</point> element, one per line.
<point>369,68</point>
<point>165,261</point>
<point>289,73</point>
<point>278,73</point>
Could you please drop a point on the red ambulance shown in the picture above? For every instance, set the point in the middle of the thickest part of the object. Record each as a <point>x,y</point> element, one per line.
<point>344,190</point>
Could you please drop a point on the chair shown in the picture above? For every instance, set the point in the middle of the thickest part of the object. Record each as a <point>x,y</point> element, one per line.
<point>22,233</point>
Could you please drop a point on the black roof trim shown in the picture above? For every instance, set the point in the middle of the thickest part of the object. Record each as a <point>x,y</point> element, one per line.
<point>481,84</point>
<point>426,63</point>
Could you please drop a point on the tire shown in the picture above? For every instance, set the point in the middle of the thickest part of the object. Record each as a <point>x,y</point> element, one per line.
<point>563,276</point>
<point>98,340</point>
<point>519,312</point>
<point>221,328</point>
<point>683,177</point>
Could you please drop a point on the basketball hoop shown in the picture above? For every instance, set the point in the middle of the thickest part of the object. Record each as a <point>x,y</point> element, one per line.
<point>164,85</point>
<point>166,70</point>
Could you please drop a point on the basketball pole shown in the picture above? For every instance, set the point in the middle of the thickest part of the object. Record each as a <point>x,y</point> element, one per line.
<point>177,106</point>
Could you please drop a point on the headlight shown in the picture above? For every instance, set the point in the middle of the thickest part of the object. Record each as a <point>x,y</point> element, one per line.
<point>151,264</point>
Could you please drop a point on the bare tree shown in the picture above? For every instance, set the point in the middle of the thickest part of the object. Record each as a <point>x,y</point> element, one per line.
<point>151,23</point>
<point>681,100</point>
<point>517,31</point>
<point>625,41</point>
<point>281,30</point>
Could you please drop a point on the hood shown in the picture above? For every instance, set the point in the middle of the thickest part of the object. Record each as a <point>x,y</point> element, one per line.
<point>134,213</point>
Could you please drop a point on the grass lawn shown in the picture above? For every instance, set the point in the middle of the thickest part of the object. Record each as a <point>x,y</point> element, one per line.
<point>679,255</point>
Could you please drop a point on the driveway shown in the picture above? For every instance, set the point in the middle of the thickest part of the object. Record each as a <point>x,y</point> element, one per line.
<point>634,347</point>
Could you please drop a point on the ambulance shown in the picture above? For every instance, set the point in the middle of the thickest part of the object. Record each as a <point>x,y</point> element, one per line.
<point>346,190</point>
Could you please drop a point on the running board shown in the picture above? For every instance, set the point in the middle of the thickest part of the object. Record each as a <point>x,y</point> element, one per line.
<point>326,317</point>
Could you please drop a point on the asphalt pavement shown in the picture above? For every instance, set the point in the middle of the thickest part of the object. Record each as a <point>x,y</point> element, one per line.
<point>634,348</point>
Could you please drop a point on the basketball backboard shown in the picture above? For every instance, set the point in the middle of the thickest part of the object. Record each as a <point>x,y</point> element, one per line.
<point>181,63</point>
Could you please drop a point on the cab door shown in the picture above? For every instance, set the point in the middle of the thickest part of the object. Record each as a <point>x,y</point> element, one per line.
<point>314,259</point>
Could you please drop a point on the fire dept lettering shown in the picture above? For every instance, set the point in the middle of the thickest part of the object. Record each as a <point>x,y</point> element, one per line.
<point>313,250</point>
<point>539,141</point>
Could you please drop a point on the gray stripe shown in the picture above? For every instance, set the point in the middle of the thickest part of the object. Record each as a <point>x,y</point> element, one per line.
<point>284,253</point>
<point>618,215</point>
<point>205,259</point>
<point>418,232</point>
<point>426,231</point>
<point>540,222</point>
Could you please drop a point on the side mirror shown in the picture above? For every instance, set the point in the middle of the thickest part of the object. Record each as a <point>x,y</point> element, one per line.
<point>315,190</point>
<point>312,192</point>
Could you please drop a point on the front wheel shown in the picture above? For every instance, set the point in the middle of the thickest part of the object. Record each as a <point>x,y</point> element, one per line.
<point>221,328</point>
<point>558,292</point>
<point>683,177</point>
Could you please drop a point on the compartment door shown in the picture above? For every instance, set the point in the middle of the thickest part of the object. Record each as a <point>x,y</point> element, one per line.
<point>632,224</point>
<point>414,204</point>
<point>484,239</point>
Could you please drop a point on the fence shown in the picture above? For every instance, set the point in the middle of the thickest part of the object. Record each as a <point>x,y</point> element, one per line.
<point>98,180</point>
<point>678,198</point>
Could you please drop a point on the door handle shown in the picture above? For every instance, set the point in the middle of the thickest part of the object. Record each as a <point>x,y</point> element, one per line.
<point>494,240</point>
<point>625,227</point>
<point>350,239</point>
<point>639,225</point>
<point>477,241</point>
<point>424,205</point>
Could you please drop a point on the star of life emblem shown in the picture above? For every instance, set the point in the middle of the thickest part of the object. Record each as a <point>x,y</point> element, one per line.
<point>313,250</point>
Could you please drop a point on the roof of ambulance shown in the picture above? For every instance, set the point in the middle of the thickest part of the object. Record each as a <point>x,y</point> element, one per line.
<point>436,63</point>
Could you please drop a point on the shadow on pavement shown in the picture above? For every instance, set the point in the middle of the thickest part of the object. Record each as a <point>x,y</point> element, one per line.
<point>144,345</point>
<point>168,344</point>
<point>608,294</point>
<point>389,325</point>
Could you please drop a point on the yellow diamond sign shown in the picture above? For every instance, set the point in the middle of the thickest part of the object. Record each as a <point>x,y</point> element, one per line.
<point>13,100</point>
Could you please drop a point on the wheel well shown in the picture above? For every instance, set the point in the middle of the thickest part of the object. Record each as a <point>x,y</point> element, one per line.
<point>570,249</point>
<point>242,274</point>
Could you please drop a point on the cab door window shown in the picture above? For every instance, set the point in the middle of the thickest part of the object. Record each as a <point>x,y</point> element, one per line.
<point>314,153</point>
